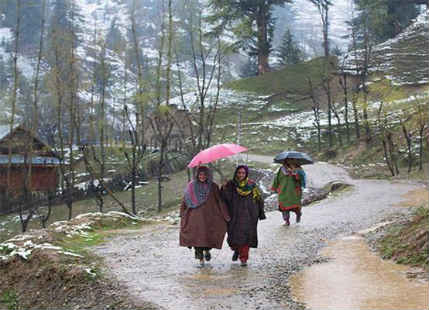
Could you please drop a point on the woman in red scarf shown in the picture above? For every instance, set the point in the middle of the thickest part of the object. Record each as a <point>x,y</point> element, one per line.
<point>246,207</point>
<point>203,216</point>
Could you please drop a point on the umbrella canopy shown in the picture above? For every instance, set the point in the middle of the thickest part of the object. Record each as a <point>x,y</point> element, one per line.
<point>302,158</point>
<point>216,152</point>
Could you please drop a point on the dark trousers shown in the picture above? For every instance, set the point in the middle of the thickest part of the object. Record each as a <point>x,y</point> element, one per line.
<point>286,214</point>
<point>199,252</point>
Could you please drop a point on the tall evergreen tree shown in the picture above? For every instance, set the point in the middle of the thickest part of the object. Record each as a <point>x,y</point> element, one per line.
<point>289,51</point>
<point>243,17</point>
<point>385,18</point>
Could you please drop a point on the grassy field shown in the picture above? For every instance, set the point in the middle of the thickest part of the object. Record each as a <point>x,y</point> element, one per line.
<point>291,80</point>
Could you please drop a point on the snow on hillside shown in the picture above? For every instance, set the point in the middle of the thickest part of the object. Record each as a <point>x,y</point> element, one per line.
<point>403,59</point>
<point>5,36</point>
<point>103,14</point>
<point>309,26</point>
<point>24,64</point>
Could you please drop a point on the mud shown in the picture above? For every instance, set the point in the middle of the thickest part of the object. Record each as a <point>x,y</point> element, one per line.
<point>356,278</point>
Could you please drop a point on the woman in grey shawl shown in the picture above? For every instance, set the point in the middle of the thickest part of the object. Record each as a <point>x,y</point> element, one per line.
<point>203,216</point>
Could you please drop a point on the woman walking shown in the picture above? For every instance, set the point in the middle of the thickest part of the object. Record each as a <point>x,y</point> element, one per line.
<point>289,182</point>
<point>203,216</point>
<point>246,207</point>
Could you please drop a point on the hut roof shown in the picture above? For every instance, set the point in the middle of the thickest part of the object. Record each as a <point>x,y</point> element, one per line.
<point>5,132</point>
<point>36,160</point>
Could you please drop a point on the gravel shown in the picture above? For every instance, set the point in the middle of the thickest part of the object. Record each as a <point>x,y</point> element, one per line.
<point>165,274</point>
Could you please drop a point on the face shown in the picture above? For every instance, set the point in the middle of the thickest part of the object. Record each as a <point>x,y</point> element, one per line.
<point>202,177</point>
<point>290,163</point>
<point>241,174</point>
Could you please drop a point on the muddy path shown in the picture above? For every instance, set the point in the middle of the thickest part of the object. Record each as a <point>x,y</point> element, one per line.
<point>155,269</point>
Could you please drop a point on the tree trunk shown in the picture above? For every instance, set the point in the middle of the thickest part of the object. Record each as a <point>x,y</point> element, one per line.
<point>421,132</point>
<point>386,156</point>
<point>328,93</point>
<point>407,136</point>
<point>392,152</point>
<point>263,45</point>
<point>346,108</point>
<point>356,119</point>
<point>133,181</point>
<point>14,96</point>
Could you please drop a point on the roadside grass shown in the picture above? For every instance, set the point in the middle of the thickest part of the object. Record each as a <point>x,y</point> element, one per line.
<point>407,243</point>
<point>9,299</point>
<point>71,275</point>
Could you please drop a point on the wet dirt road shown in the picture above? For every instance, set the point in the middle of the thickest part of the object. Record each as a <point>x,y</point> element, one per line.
<point>155,269</point>
<point>356,278</point>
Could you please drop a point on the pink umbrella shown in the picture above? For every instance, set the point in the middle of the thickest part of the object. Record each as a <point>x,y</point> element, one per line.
<point>216,152</point>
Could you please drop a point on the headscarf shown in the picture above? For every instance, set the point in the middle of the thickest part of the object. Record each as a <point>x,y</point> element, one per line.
<point>246,186</point>
<point>197,192</point>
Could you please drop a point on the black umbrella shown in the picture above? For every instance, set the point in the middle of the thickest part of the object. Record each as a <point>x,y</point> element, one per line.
<point>302,158</point>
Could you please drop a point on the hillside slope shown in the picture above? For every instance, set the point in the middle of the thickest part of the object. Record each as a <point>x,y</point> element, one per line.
<point>403,59</point>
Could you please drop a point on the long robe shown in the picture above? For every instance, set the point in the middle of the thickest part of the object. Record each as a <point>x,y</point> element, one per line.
<point>205,225</point>
<point>288,186</point>
<point>245,213</point>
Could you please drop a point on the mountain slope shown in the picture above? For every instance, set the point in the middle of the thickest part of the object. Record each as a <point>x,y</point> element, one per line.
<point>403,59</point>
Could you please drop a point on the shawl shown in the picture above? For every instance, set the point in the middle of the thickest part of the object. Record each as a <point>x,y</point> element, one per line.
<point>196,192</point>
<point>246,186</point>
<point>288,186</point>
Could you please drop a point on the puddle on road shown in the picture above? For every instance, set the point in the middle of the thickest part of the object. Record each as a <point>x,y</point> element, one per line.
<point>216,291</point>
<point>341,284</point>
<point>208,277</point>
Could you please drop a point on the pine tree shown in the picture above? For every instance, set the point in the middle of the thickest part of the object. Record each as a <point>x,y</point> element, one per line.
<point>385,18</point>
<point>289,52</point>
<point>251,21</point>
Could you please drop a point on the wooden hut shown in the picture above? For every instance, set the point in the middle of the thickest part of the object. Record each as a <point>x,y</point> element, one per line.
<point>43,160</point>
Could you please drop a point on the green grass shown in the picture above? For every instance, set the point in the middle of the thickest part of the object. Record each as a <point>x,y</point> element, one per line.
<point>79,244</point>
<point>408,243</point>
<point>9,299</point>
<point>291,80</point>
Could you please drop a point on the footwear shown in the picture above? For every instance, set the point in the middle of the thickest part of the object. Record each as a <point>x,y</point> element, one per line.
<point>202,262</point>
<point>243,264</point>
<point>207,255</point>
<point>298,218</point>
<point>199,254</point>
<point>287,223</point>
<point>235,256</point>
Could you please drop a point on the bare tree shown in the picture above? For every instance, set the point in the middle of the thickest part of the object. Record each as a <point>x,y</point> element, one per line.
<point>408,135</point>
<point>206,62</point>
<point>316,112</point>
<point>323,8</point>
<point>14,95</point>
<point>344,86</point>
<point>140,111</point>
<point>28,202</point>
<point>161,120</point>
<point>386,138</point>
<point>336,113</point>
<point>137,152</point>
<point>422,120</point>
<point>88,153</point>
